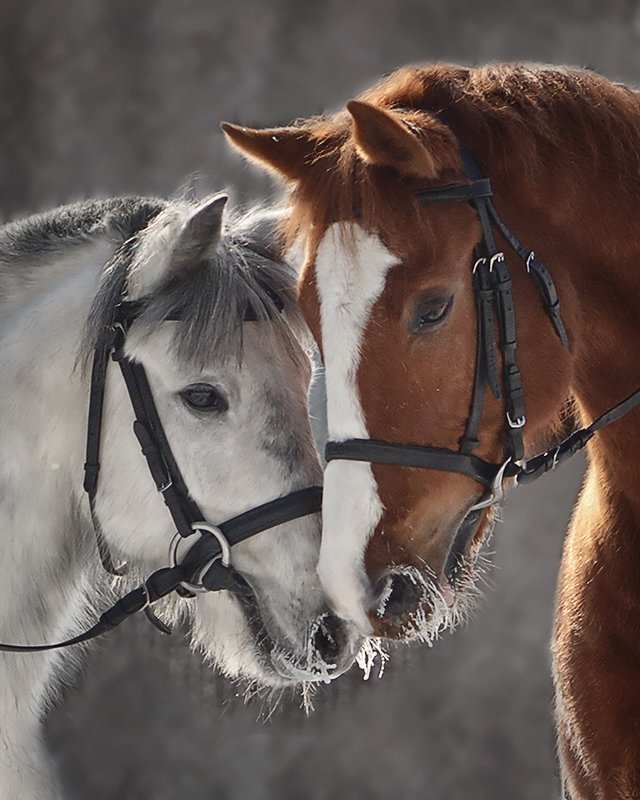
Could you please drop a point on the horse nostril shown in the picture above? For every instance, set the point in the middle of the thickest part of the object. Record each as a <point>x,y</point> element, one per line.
<point>399,595</point>
<point>329,638</point>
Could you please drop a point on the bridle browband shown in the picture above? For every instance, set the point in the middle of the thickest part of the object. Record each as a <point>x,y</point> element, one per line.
<point>492,290</point>
<point>206,566</point>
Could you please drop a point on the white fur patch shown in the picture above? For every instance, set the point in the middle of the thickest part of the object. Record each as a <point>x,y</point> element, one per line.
<point>349,283</point>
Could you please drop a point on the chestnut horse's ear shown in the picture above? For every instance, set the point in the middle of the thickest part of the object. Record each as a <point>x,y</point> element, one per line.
<point>287,151</point>
<point>382,138</point>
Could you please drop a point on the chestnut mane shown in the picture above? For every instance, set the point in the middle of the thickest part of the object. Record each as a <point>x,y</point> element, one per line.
<point>520,110</point>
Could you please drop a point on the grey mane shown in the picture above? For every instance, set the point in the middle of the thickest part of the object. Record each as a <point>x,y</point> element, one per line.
<point>244,276</point>
<point>26,243</point>
<point>77,223</point>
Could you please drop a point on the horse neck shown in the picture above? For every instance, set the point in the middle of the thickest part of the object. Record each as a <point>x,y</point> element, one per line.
<point>585,226</point>
<point>44,530</point>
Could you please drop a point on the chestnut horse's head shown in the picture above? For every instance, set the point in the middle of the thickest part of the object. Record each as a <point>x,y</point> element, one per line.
<point>388,291</point>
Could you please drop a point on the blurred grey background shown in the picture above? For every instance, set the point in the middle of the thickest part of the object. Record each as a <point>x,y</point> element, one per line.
<point>100,97</point>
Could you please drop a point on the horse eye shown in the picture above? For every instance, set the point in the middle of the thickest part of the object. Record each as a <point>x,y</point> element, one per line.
<point>429,312</point>
<point>204,397</point>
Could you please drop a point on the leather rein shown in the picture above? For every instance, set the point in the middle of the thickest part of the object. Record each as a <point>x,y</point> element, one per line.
<point>206,566</point>
<point>492,290</point>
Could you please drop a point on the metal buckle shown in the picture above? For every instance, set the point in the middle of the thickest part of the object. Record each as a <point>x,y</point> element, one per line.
<point>497,257</point>
<point>496,492</point>
<point>530,258</point>
<point>225,555</point>
<point>166,486</point>
<point>518,422</point>
<point>478,263</point>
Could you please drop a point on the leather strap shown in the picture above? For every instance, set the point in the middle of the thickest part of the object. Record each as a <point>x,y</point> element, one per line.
<point>486,368</point>
<point>555,456</point>
<point>160,583</point>
<point>92,456</point>
<point>539,274</point>
<point>249,523</point>
<point>409,455</point>
<point>455,192</point>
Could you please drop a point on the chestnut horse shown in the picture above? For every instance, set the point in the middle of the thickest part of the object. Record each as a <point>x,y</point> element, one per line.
<point>414,355</point>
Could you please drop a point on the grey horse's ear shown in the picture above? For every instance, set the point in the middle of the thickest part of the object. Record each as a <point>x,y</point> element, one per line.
<point>199,238</point>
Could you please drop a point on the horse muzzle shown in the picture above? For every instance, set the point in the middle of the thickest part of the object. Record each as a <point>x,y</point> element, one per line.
<point>408,602</point>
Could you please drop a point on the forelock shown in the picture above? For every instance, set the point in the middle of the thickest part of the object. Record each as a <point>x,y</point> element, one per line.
<point>244,278</point>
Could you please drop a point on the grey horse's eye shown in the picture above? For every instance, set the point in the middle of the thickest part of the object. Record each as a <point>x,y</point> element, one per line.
<point>204,397</point>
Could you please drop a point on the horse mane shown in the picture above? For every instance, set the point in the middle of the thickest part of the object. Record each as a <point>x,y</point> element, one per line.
<point>505,113</point>
<point>25,243</point>
<point>245,274</point>
<point>75,223</point>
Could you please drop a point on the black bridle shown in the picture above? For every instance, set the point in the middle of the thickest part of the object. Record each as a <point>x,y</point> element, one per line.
<point>206,565</point>
<point>492,289</point>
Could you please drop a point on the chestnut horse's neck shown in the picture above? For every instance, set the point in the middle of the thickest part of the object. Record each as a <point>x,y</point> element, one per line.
<point>580,216</point>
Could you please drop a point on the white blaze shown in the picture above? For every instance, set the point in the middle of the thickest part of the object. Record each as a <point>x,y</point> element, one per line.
<point>349,281</point>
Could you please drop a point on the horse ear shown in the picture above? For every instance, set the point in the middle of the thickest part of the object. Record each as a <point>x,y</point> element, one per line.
<point>383,139</point>
<point>162,256</point>
<point>286,151</point>
<point>199,238</point>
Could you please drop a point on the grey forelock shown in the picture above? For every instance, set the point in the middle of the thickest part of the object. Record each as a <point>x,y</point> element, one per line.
<point>245,276</point>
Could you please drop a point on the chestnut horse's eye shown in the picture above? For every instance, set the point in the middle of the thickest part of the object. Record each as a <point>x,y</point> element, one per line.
<point>204,397</point>
<point>429,312</point>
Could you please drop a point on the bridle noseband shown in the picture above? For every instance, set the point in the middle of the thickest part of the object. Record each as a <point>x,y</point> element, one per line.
<point>206,566</point>
<point>492,291</point>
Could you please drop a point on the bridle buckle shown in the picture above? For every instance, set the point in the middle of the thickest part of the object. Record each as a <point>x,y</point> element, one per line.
<point>499,257</point>
<point>478,264</point>
<point>529,260</point>
<point>516,423</point>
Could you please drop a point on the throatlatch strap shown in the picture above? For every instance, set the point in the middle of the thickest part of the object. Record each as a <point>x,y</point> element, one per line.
<point>492,283</point>
<point>92,458</point>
